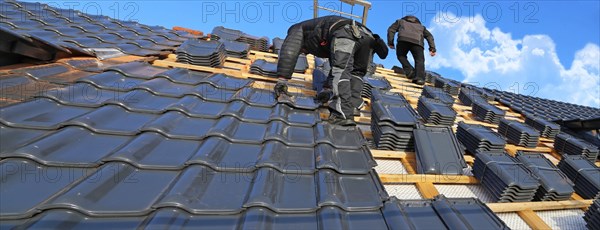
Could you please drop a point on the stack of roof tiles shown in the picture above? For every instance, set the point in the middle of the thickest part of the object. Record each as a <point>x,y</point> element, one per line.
<point>592,216</point>
<point>477,138</point>
<point>468,96</point>
<point>438,94</point>
<point>392,121</point>
<point>518,133</point>
<point>584,174</point>
<point>488,96</point>
<point>504,177</point>
<point>236,49</point>
<point>264,68</point>
<point>48,31</point>
<point>567,144</point>
<point>256,43</point>
<point>449,86</point>
<point>398,69</point>
<point>277,44</point>
<point>555,185</point>
<point>441,213</point>
<point>486,112</point>
<point>371,68</point>
<point>319,75</point>
<point>430,77</point>
<point>371,83</point>
<point>201,52</point>
<point>443,157</point>
<point>547,129</point>
<point>435,112</point>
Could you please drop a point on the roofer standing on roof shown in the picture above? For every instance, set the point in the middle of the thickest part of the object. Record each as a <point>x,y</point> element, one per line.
<point>410,38</point>
<point>349,46</point>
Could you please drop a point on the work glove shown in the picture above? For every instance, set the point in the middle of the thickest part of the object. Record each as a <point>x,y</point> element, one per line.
<point>324,96</point>
<point>281,88</point>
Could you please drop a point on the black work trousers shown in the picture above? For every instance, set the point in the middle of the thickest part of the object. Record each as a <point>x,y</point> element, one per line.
<point>349,59</point>
<point>418,54</point>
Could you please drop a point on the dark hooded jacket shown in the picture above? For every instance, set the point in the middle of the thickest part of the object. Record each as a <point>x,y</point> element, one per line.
<point>411,30</point>
<point>310,36</point>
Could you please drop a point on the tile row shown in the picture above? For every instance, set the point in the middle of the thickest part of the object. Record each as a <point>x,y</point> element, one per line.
<point>139,71</point>
<point>93,94</point>
<point>110,119</point>
<point>439,213</point>
<point>77,31</point>
<point>119,189</point>
<point>547,109</point>
<point>222,91</point>
<point>143,101</point>
<point>78,147</point>
<point>175,218</point>
<point>50,15</point>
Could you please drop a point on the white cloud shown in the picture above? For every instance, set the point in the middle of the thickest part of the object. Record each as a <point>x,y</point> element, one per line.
<point>538,52</point>
<point>529,65</point>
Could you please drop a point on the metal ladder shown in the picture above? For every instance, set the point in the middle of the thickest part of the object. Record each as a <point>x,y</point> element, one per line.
<point>365,4</point>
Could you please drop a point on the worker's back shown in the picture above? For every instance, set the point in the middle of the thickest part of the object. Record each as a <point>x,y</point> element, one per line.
<point>316,31</point>
<point>409,29</point>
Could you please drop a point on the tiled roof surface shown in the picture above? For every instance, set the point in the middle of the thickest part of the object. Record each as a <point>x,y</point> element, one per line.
<point>94,139</point>
<point>43,33</point>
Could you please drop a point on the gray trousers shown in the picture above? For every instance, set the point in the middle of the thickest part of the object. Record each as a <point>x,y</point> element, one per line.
<point>349,60</point>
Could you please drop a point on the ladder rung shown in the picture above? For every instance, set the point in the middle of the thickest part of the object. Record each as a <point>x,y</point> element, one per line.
<point>338,12</point>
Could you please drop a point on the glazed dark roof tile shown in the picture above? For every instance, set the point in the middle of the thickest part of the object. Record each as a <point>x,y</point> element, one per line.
<point>151,147</point>
<point>265,187</point>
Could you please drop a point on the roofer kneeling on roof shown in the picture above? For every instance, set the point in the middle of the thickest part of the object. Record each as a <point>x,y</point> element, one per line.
<point>349,46</point>
<point>410,38</point>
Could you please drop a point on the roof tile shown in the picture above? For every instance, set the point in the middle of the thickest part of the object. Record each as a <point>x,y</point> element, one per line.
<point>40,114</point>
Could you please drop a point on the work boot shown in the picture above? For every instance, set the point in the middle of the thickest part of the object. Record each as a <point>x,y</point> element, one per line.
<point>411,75</point>
<point>344,122</point>
<point>419,81</point>
<point>338,120</point>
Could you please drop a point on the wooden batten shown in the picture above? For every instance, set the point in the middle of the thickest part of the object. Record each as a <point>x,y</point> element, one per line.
<point>539,205</point>
<point>533,220</point>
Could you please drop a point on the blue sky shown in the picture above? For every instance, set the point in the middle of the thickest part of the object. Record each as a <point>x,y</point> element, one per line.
<point>552,45</point>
